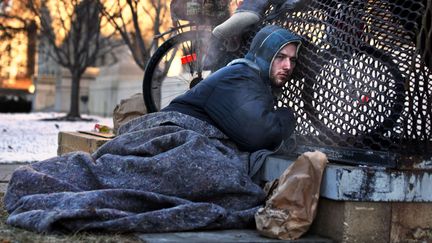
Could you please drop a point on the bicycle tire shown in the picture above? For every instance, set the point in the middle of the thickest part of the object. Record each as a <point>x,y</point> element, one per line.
<point>387,94</point>
<point>398,89</point>
<point>156,89</point>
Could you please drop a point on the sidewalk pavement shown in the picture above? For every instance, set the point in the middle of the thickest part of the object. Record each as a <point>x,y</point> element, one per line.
<point>5,174</point>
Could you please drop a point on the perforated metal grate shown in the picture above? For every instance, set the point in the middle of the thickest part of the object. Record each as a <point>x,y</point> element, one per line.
<point>362,90</point>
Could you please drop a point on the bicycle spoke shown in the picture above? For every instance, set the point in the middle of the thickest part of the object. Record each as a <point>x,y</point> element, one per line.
<point>176,67</point>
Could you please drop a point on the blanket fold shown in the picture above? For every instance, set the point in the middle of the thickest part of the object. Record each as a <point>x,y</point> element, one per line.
<point>165,172</point>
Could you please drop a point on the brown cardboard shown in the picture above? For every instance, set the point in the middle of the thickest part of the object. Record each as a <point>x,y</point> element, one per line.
<point>76,141</point>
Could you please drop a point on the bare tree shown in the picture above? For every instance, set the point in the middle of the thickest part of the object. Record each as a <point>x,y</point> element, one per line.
<point>71,30</point>
<point>138,22</point>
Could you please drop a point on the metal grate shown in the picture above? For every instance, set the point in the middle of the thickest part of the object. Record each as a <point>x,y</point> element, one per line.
<point>362,90</point>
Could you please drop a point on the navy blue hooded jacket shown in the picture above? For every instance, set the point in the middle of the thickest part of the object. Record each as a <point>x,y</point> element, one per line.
<point>238,98</point>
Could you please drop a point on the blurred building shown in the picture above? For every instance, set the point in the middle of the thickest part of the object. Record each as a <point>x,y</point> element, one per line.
<point>114,77</point>
<point>17,61</point>
<point>28,73</point>
<point>115,82</point>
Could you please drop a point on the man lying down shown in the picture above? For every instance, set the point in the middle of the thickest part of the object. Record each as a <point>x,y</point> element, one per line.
<point>184,168</point>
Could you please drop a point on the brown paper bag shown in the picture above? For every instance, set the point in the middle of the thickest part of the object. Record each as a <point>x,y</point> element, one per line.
<point>291,208</point>
<point>128,109</point>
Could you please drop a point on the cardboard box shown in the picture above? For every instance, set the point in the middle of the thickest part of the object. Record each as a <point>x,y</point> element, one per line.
<point>79,141</point>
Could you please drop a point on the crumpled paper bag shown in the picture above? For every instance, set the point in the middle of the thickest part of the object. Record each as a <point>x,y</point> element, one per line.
<point>292,205</point>
<point>128,109</point>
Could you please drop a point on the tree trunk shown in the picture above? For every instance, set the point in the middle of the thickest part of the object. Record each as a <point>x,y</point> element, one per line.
<point>74,112</point>
<point>31,49</point>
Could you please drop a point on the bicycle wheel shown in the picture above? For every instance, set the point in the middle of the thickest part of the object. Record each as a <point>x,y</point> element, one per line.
<point>175,67</point>
<point>361,95</point>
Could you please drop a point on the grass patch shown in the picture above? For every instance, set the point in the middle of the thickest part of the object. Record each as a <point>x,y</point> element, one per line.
<point>9,234</point>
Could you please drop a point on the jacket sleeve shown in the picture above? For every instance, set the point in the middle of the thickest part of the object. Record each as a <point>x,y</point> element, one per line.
<point>243,110</point>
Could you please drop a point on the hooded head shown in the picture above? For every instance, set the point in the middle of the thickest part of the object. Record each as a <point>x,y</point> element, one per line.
<point>266,44</point>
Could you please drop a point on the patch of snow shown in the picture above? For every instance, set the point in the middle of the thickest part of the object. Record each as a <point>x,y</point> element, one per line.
<point>25,138</point>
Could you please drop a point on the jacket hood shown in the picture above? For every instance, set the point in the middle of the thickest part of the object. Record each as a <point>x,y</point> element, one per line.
<point>266,44</point>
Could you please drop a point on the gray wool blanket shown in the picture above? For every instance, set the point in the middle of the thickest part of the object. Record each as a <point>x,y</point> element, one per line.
<point>165,172</point>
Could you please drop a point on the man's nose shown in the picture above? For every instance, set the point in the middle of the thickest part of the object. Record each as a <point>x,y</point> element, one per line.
<point>287,64</point>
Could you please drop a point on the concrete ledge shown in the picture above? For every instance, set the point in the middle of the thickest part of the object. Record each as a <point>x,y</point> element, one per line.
<point>351,222</point>
<point>376,184</point>
<point>411,222</point>
<point>369,204</point>
<point>360,183</point>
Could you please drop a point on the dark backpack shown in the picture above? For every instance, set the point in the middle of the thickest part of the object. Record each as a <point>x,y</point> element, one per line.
<point>210,12</point>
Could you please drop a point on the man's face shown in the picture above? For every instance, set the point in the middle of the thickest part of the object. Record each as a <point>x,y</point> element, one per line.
<point>283,65</point>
